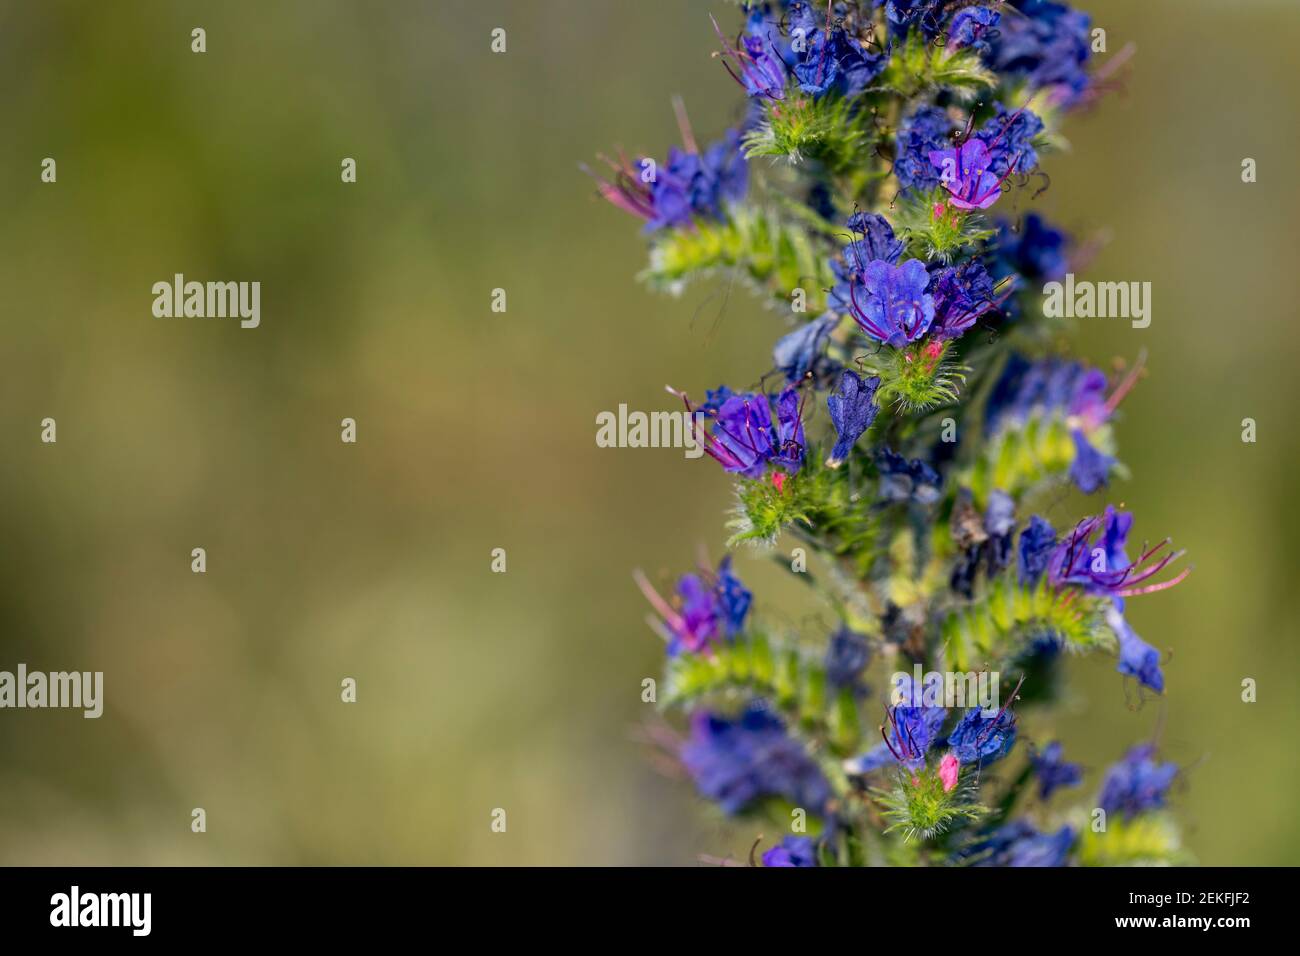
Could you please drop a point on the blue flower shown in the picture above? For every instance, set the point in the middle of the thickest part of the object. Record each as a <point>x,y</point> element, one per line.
<point>1090,468</point>
<point>853,408</point>
<point>999,522</point>
<point>742,435</point>
<point>912,729</point>
<point>904,480</point>
<point>1038,252</point>
<point>1053,771</point>
<point>687,186</point>
<point>1048,46</point>
<point>847,656</point>
<point>920,134</point>
<point>1018,844</point>
<point>966,172</point>
<point>733,599</point>
<point>1092,556</point>
<point>962,294</point>
<point>707,606</point>
<point>1137,658</point>
<point>796,353</point>
<point>981,739</point>
<point>836,63</point>
<point>972,28</point>
<point>874,241</point>
<point>893,306</point>
<point>745,439</point>
<point>1037,542</point>
<point>1010,140</point>
<point>735,762</point>
<point>926,15</point>
<point>754,61</point>
<point>1137,783</point>
<point>792,851</point>
<point>1069,390</point>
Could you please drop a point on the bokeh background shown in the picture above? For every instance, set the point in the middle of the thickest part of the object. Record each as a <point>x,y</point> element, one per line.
<point>476,429</point>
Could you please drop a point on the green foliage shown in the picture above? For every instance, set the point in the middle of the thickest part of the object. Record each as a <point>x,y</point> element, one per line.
<point>917,378</point>
<point>756,666</point>
<point>1150,839</point>
<point>761,246</point>
<point>919,67</point>
<point>933,228</point>
<point>1021,456</point>
<point>828,130</point>
<point>820,500</point>
<point>996,628</point>
<point>919,808</point>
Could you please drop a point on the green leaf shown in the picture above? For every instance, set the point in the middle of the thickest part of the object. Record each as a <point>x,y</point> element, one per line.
<point>997,628</point>
<point>755,665</point>
<point>1150,839</point>
<point>922,67</point>
<point>763,247</point>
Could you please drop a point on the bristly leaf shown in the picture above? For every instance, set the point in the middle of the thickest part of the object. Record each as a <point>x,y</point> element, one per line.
<point>772,254</point>
<point>1000,626</point>
<point>917,378</point>
<point>920,808</point>
<point>1023,455</point>
<point>798,128</point>
<point>919,66</point>
<point>755,665</point>
<point>1147,840</point>
<point>934,229</point>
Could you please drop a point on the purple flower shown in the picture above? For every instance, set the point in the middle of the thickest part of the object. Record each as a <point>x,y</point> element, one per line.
<point>1090,468</point>
<point>707,606</point>
<point>744,438</point>
<point>972,27</point>
<point>962,294</point>
<point>981,739</point>
<point>967,173</point>
<point>835,62</point>
<point>847,656</point>
<point>926,15</point>
<point>920,134</point>
<point>1053,771</point>
<point>874,241</point>
<point>973,173</point>
<point>853,408</point>
<point>1010,140</point>
<point>1047,45</point>
<point>893,306</point>
<point>1068,389</point>
<point>753,61</point>
<point>910,730</point>
<point>1036,251</point>
<point>792,851</point>
<point>1137,783</point>
<point>1137,658</point>
<point>1037,542</point>
<point>689,185</point>
<point>902,479</point>
<point>1092,557</point>
<point>735,762</point>
<point>797,352</point>
<point>1019,844</point>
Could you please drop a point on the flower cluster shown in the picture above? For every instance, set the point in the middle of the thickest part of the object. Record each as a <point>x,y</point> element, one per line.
<point>912,435</point>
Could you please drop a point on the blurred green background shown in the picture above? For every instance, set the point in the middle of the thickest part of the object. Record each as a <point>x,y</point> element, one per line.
<point>476,429</point>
